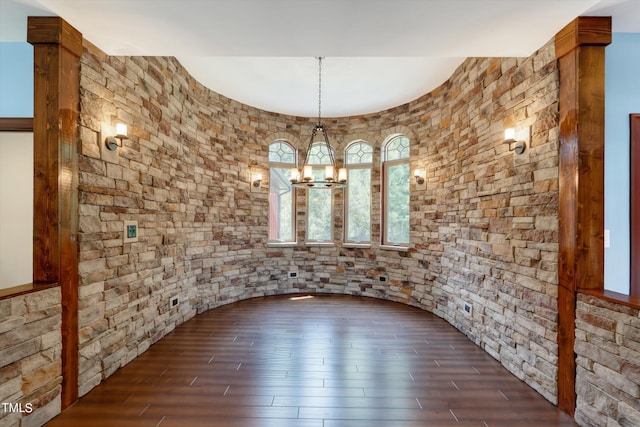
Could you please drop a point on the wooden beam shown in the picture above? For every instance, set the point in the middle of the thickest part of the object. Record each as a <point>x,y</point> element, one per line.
<point>580,49</point>
<point>585,30</point>
<point>16,124</point>
<point>57,50</point>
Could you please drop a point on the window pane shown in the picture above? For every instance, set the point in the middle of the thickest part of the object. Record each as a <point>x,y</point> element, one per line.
<point>319,214</point>
<point>398,148</point>
<point>280,205</point>
<point>397,203</point>
<point>281,152</point>
<point>359,205</point>
<point>359,152</point>
<point>319,154</point>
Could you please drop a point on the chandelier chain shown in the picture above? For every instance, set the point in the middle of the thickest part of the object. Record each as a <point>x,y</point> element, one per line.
<point>306,177</point>
<point>319,90</point>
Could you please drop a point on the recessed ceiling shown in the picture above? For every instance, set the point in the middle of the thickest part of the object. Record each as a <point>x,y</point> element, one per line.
<point>378,53</point>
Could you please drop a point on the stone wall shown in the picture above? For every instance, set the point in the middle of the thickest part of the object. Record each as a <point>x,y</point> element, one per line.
<point>608,363</point>
<point>484,231</point>
<point>491,221</point>
<point>30,358</point>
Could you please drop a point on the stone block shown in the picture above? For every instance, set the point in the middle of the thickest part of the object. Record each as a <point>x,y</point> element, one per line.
<point>11,387</point>
<point>13,419</point>
<point>42,414</point>
<point>19,351</point>
<point>617,380</point>
<point>627,415</point>
<point>92,265</point>
<point>546,223</point>
<point>11,324</point>
<point>40,377</point>
<point>42,300</point>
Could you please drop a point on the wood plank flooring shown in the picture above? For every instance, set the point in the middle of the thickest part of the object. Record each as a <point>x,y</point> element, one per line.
<point>325,361</point>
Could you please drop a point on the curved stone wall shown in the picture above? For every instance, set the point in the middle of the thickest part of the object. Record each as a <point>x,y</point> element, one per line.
<point>484,231</point>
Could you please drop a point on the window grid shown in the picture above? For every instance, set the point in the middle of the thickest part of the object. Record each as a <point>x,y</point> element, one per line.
<point>396,187</point>
<point>359,152</point>
<point>359,162</point>
<point>282,152</point>
<point>319,155</point>
<point>319,199</point>
<point>282,157</point>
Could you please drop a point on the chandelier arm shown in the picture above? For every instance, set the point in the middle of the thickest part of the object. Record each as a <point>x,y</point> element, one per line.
<point>331,158</point>
<point>311,140</point>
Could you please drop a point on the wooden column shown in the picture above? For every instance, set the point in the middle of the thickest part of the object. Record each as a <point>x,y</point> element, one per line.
<point>57,51</point>
<point>580,49</point>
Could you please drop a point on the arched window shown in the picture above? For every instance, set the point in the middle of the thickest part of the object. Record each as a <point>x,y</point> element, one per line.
<point>282,158</point>
<point>319,200</point>
<point>395,187</point>
<point>358,161</point>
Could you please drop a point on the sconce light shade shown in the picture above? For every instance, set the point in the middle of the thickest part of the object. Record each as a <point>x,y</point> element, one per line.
<point>419,175</point>
<point>121,134</point>
<point>509,134</point>
<point>510,139</point>
<point>121,130</point>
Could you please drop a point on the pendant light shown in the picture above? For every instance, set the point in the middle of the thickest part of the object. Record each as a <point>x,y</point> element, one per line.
<point>333,176</point>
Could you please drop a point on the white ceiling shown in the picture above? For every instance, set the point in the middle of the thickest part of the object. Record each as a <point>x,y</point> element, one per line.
<point>378,53</point>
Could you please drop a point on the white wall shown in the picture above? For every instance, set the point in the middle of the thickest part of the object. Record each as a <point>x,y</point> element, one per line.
<point>16,79</point>
<point>622,98</point>
<point>16,208</point>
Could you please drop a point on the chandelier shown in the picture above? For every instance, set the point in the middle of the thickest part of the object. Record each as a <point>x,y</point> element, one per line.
<point>332,176</point>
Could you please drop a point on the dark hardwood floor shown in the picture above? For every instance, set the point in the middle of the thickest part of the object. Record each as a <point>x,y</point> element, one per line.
<point>325,361</point>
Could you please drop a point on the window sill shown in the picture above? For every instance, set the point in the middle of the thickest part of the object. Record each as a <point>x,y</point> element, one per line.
<point>281,244</point>
<point>394,248</point>
<point>328,244</point>
<point>356,245</point>
<point>614,297</point>
<point>29,288</point>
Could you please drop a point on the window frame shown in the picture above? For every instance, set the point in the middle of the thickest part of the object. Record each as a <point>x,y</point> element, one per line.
<point>386,165</point>
<point>350,167</point>
<point>319,167</point>
<point>283,165</point>
<point>634,201</point>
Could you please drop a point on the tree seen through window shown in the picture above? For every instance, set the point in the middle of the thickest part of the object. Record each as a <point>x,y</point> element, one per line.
<point>358,159</point>
<point>396,191</point>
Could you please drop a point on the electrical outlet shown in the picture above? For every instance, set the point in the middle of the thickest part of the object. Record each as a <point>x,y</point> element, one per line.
<point>293,275</point>
<point>130,231</point>
<point>468,308</point>
<point>382,278</point>
<point>173,302</point>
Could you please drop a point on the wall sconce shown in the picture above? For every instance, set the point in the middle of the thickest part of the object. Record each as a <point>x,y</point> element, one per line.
<point>256,180</point>
<point>121,134</point>
<point>420,175</point>
<point>510,138</point>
